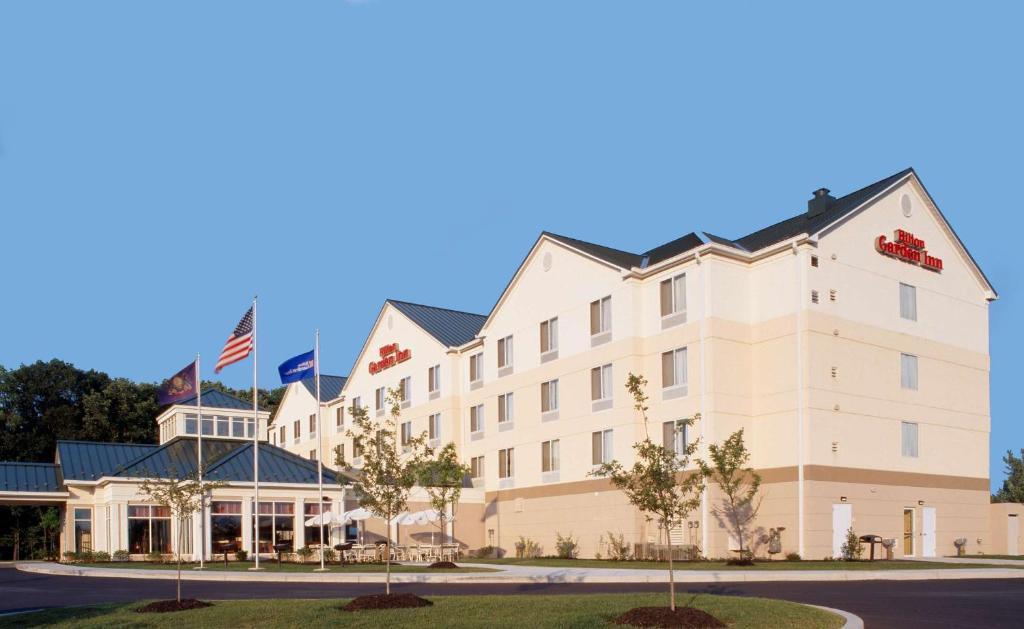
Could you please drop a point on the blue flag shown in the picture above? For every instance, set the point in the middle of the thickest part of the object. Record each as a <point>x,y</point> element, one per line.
<point>181,386</point>
<point>298,368</point>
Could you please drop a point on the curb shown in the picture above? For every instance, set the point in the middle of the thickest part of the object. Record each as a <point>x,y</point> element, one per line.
<point>852,620</point>
<point>520,575</point>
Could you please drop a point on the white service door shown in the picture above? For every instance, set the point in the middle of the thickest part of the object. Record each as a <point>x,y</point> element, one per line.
<point>842,520</point>
<point>928,532</point>
<point>1012,533</point>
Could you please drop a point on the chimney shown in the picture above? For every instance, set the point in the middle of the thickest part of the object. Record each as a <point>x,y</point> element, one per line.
<point>820,202</point>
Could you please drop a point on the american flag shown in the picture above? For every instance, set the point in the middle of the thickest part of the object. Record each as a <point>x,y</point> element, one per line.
<point>239,344</point>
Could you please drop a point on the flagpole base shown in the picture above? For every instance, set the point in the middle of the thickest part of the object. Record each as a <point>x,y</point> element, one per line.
<point>260,569</point>
<point>199,567</point>
<point>322,570</point>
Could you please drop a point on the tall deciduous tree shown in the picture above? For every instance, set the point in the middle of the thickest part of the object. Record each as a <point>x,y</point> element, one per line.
<point>1013,487</point>
<point>441,475</point>
<point>658,483</point>
<point>389,470</point>
<point>739,485</point>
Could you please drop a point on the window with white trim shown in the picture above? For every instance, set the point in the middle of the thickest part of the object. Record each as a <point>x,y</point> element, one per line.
<point>378,400</point>
<point>406,433</point>
<point>505,459</point>
<point>549,460</point>
<point>908,439</point>
<point>506,408</point>
<point>476,467</point>
<point>549,336</point>
<point>434,427</point>
<point>312,425</point>
<point>601,383</point>
<point>601,447</point>
<point>476,418</point>
<point>476,367</point>
<point>908,371</point>
<point>405,391</point>
<point>505,352</point>
<point>601,316</point>
<point>674,436</point>
<point>339,419</point>
<point>908,302</point>
<point>549,396</point>
<point>297,430</point>
<point>673,297</point>
<point>673,369</point>
<point>434,379</point>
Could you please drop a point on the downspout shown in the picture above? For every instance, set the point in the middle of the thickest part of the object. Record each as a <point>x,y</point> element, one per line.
<point>800,322</point>
<point>704,419</point>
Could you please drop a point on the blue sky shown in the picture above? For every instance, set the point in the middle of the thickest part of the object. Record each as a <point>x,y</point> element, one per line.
<point>161,162</point>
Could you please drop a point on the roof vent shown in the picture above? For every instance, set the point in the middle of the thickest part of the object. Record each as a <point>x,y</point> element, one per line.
<point>820,202</point>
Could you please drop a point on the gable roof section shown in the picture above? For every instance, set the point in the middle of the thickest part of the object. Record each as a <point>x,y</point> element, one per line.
<point>451,328</point>
<point>30,477</point>
<point>330,386</point>
<point>213,398</point>
<point>91,460</point>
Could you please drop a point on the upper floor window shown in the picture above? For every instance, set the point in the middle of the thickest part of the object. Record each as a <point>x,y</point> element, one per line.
<point>908,371</point>
<point>434,380</point>
<point>505,467</point>
<point>504,355</point>
<point>357,402</point>
<point>312,425</point>
<point>549,460</point>
<point>434,427</point>
<point>339,454</point>
<point>506,408</point>
<point>476,367</point>
<point>908,439</point>
<point>908,302</point>
<point>378,400</point>
<point>674,436</point>
<point>601,447</point>
<point>548,338</point>
<point>357,447</point>
<point>673,300</point>
<point>405,391</point>
<point>600,318</point>
<point>297,430</point>
<point>601,383</point>
<point>406,434</point>
<point>673,372</point>
<point>476,419</point>
<point>312,455</point>
<point>549,396</point>
<point>339,418</point>
<point>476,467</point>
<point>282,436</point>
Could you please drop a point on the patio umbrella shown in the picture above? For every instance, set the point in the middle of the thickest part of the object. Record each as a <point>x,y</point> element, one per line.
<point>357,515</point>
<point>330,518</point>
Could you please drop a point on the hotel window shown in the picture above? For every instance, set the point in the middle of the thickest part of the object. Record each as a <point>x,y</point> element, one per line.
<point>296,430</point>
<point>313,532</point>
<point>549,339</point>
<point>673,373</point>
<point>357,447</point>
<point>600,321</point>
<point>223,426</point>
<point>434,427</point>
<point>674,436</point>
<point>273,438</point>
<point>339,418</point>
<point>601,447</point>
<point>282,436</point>
<point>476,467</point>
<point>357,403</point>
<point>601,387</point>
<point>814,261</point>
<point>476,420</point>
<point>549,460</point>
<point>908,302</point>
<point>434,381</point>
<point>378,401</point>
<point>406,434</point>
<point>908,433</point>
<point>506,411</point>
<point>549,398</point>
<point>505,457</point>
<point>476,369</point>
<point>149,529</point>
<point>250,428</point>
<point>505,355</point>
<point>237,427</point>
<point>908,371</point>
<point>190,424</point>
<point>312,425</point>
<point>339,454</point>
<point>312,455</point>
<point>83,530</point>
<point>277,525</point>
<point>405,391</point>
<point>226,525</point>
<point>673,301</point>
<point>207,425</point>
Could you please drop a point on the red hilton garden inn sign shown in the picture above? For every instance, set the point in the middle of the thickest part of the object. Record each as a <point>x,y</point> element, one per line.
<point>908,248</point>
<point>390,355</point>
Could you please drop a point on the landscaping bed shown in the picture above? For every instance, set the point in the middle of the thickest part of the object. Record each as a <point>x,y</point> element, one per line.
<point>894,564</point>
<point>385,601</point>
<point>161,607</point>
<point>687,617</point>
<point>272,566</point>
<point>461,612</point>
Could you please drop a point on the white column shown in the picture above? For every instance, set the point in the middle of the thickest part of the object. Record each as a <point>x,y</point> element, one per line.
<point>300,524</point>
<point>247,523</point>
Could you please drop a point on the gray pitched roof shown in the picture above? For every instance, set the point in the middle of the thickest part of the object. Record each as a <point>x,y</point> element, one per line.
<point>330,386</point>
<point>627,260</point>
<point>91,460</point>
<point>451,328</point>
<point>30,477</point>
<point>213,398</point>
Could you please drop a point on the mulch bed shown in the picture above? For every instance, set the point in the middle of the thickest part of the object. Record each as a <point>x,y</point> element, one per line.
<point>385,601</point>
<point>159,607</point>
<point>740,562</point>
<point>443,565</point>
<point>664,617</point>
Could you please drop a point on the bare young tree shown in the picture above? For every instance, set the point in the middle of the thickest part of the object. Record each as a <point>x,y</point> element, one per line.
<point>739,485</point>
<point>389,470</point>
<point>658,483</point>
<point>441,475</point>
<point>184,495</point>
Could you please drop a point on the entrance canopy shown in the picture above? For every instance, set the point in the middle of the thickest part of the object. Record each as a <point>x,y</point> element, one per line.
<point>31,483</point>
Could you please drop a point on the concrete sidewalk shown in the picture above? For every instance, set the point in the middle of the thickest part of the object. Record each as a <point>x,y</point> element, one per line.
<point>533,574</point>
<point>972,561</point>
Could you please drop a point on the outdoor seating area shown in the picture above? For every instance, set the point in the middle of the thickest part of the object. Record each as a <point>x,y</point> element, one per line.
<point>370,553</point>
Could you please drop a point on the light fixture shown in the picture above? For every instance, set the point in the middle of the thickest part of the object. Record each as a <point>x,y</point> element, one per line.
<point>842,498</point>
<point>920,502</point>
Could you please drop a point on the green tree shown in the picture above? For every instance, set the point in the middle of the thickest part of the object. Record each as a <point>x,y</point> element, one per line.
<point>123,412</point>
<point>389,470</point>
<point>657,483</point>
<point>739,485</point>
<point>441,474</point>
<point>1013,487</point>
<point>184,495</point>
<point>49,524</point>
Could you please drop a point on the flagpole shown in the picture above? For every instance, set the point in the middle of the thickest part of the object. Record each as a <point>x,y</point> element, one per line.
<point>319,444</point>
<point>255,441</point>
<point>199,465</point>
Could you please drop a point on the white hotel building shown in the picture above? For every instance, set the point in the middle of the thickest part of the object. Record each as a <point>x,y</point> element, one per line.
<point>858,368</point>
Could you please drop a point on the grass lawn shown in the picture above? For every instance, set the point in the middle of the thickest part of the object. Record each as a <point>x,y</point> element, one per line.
<point>895,564</point>
<point>592,610</point>
<point>271,566</point>
<point>1016,557</point>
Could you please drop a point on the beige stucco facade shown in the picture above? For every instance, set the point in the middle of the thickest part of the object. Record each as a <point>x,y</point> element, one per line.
<point>803,343</point>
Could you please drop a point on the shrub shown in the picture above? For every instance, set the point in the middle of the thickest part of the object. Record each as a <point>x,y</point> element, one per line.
<point>305,553</point>
<point>122,555</point>
<point>486,552</point>
<point>329,554</point>
<point>567,547</point>
<point>70,556</point>
<point>852,549</point>
<point>792,556</point>
<point>241,555</point>
<point>155,557</point>
<point>87,556</point>
<point>526,548</point>
<point>101,556</point>
<point>618,549</point>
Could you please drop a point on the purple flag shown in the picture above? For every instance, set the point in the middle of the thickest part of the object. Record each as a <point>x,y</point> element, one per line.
<point>181,386</point>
